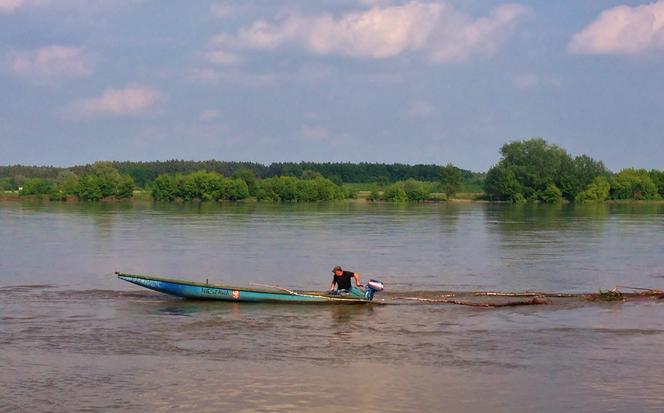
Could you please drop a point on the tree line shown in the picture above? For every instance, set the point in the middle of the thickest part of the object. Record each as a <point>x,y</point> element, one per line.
<point>144,173</point>
<point>535,170</point>
<point>212,186</point>
<point>101,181</point>
<point>531,170</point>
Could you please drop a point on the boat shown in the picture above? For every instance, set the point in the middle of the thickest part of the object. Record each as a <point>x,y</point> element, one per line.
<point>221,292</point>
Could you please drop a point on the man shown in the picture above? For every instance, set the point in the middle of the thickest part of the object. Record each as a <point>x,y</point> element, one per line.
<point>341,279</point>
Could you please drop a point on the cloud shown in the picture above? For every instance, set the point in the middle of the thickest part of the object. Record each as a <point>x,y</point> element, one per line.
<point>51,61</point>
<point>10,6</point>
<point>623,30</point>
<point>382,31</point>
<point>131,101</point>
<point>459,36</point>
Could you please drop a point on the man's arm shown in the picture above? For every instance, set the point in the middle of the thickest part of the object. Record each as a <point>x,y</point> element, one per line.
<point>332,285</point>
<point>358,283</point>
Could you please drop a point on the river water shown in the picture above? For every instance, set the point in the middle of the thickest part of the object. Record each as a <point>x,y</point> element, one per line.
<point>75,338</point>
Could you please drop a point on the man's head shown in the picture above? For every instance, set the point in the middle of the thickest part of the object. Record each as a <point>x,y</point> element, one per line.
<point>337,270</point>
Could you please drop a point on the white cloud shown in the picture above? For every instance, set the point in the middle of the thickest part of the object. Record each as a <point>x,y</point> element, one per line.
<point>377,33</point>
<point>459,36</point>
<point>50,61</point>
<point>130,101</point>
<point>9,6</point>
<point>437,29</point>
<point>623,30</point>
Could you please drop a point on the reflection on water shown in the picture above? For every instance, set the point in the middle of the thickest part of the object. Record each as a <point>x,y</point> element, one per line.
<point>73,337</point>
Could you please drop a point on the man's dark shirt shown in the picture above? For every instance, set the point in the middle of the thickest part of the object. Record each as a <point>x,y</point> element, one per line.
<point>343,281</point>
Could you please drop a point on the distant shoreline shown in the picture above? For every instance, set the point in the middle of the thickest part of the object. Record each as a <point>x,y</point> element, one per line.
<point>144,197</point>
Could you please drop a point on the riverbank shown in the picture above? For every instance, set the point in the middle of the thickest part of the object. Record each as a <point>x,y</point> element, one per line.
<point>362,197</point>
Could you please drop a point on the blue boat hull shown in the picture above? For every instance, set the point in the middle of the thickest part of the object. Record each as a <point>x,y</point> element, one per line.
<point>204,291</point>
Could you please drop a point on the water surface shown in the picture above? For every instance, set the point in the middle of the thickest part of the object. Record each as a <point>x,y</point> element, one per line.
<point>73,337</point>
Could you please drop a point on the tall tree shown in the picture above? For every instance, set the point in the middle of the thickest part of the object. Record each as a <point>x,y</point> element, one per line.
<point>450,180</point>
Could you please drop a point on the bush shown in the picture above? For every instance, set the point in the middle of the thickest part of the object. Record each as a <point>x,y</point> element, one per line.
<point>288,188</point>
<point>551,194</point>
<point>108,178</point>
<point>201,185</point>
<point>658,178</point>
<point>501,184</point>
<point>416,190</point>
<point>278,188</point>
<point>374,195</point>
<point>67,183</point>
<point>37,186</point>
<point>125,188</point>
<point>90,188</point>
<point>598,190</point>
<point>633,184</point>
<point>249,178</point>
<point>395,193</point>
<point>235,189</point>
<point>164,188</point>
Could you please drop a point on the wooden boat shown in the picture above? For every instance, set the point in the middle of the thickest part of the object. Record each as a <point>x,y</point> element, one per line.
<point>206,291</point>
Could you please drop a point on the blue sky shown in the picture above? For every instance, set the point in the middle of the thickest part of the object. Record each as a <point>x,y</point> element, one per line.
<point>346,80</point>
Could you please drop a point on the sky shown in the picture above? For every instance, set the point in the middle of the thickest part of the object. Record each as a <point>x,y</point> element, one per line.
<point>420,81</point>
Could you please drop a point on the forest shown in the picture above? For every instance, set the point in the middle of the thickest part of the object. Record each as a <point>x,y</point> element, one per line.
<point>531,170</point>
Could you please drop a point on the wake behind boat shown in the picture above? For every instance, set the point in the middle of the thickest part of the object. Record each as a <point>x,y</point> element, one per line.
<point>221,292</point>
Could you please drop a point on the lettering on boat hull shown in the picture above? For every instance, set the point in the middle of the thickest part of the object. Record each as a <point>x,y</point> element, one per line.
<point>217,292</point>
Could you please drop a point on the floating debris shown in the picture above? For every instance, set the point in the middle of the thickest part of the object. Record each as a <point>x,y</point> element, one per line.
<point>494,299</point>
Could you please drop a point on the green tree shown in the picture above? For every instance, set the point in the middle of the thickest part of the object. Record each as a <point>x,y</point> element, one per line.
<point>249,178</point>
<point>37,186</point>
<point>309,174</point>
<point>416,190</point>
<point>395,193</point>
<point>597,190</point>
<point>108,177</point>
<point>125,188</point>
<point>235,189</point>
<point>580,173</point>
<point>450,180</point>
<point>551,194</point>
<point>501,184</point>
<point>535,163</point>
<point>90,188</point>
<point>67,183</point>
<point>7,184</point>
<point>658,178</point>
<point>164,188</point>
<point>633,184</point>
<point>528,167</point>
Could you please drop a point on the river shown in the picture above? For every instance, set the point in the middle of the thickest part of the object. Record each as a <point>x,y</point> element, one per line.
<point>73,337</point>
